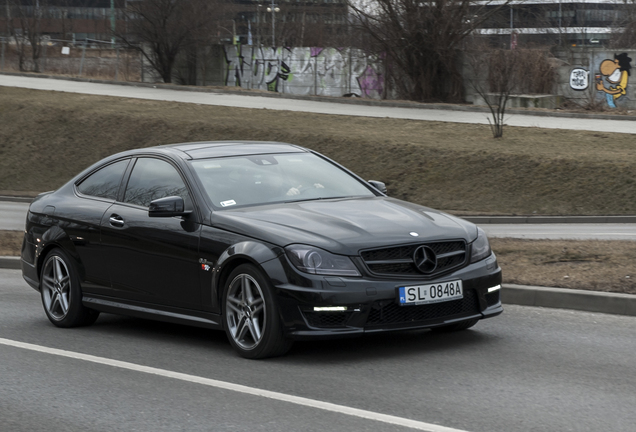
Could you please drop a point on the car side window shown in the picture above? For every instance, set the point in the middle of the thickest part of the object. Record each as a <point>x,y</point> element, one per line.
<point>105,182</point>
<point>152,179</point>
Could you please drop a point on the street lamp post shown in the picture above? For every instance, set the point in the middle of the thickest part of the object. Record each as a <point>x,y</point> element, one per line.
<point>273,9</point>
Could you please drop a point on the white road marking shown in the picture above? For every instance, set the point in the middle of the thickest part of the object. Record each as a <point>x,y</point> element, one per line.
<point>341,409</point>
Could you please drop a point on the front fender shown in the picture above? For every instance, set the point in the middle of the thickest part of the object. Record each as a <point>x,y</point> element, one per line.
<point>249,251</point>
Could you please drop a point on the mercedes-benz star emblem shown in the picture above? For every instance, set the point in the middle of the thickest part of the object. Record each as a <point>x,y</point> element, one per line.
<point>425,259</point>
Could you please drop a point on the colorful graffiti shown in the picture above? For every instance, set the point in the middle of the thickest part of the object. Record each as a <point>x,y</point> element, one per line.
<point>304,71</point>
<point>616,72</point>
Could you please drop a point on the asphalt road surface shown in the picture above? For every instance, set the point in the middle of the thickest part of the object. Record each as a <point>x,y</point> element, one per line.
<point>577,231</point>
<point>259,102</point>
<point>529,369</point>
<point>13,214</point>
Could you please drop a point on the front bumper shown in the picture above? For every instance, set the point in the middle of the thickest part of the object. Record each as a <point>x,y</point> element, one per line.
<point>372,304</point>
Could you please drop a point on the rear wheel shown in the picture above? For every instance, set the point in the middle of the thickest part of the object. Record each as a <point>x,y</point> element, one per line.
<point>61,292</point>
<point>462,325</point>
<point>252,321</point>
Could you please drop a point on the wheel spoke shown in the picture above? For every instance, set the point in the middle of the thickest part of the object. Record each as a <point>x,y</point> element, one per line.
<point>48,281</point>
<point>247,291</point>
<point>241,329</point>
<point>63,299</point>
<point>256,305</point>
<point>55,301</point>
<point>232,306</point>
<point>255,329</point>
<point>57,270</point>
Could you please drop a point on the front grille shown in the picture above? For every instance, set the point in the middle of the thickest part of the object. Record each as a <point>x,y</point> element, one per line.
<point>391,313</point>
<point>327,319</point>
<point>398,260</point>
<point>492,298</point>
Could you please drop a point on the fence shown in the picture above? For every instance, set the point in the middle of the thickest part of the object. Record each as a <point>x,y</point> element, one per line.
<point>87,58</point>
<point>299,71</point>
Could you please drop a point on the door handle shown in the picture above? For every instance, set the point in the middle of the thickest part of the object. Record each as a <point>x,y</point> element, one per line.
<point>116,220</point>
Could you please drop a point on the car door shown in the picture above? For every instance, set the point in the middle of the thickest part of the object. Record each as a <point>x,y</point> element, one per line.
<point>153,260</point>
<point>80,218</point>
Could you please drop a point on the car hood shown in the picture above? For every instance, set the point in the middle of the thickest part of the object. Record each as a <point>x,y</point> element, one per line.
<point>344,226</point>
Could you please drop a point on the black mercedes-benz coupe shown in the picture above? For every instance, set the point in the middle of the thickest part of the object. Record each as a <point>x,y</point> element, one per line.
<point>268,241</point>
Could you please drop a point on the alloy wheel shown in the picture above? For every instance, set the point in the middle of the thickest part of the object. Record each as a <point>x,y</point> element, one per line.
<point>246,311</point>
<point>56,287</point>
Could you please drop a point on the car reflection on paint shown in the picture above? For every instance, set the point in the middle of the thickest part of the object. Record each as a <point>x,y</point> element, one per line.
<point>270,242</point>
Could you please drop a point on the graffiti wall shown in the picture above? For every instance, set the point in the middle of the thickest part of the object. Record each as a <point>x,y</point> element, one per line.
<point>304,71</point>
<point>602,78</point>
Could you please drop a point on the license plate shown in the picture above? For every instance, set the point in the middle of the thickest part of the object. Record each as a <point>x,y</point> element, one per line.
<point>433,293</point>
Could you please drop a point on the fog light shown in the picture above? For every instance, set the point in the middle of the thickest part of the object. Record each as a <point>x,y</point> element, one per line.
<point>330,308</point>
<point>493,289</point>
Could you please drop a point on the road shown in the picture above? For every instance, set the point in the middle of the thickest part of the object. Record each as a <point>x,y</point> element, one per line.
<point>529,369</point>
<point>13,214</point>
<point>578,231</point>
<point>320,107</point>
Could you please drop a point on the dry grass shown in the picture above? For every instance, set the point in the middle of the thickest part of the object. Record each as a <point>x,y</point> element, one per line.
<point>46,137</point>
<point>10,242</point>
<point>587,265</point>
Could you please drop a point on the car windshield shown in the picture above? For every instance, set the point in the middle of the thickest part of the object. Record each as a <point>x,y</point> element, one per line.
<point>270,178</point>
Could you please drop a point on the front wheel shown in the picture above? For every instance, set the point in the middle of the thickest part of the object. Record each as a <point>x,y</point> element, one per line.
<point>61,292</point>
<point>252,321</point>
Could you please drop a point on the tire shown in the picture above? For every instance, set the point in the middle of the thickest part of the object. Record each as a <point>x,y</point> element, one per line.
<point>462,325</point>
<point>61,292</point>
<point>251,318</point>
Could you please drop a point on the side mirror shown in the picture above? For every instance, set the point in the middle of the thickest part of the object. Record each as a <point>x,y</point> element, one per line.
<point>167,207</point>
<point>378,185</point>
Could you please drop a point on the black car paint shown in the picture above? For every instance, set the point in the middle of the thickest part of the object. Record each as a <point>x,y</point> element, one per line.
<point>187,260</point>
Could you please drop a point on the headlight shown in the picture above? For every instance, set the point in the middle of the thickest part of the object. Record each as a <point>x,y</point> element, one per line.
<point>480,248</point>
<point>317,261</point>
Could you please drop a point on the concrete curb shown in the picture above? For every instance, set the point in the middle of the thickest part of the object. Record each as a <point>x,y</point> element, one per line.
<point>343,100</point>
<point>10,262</point>
<point>16,199</point>
<point>564,298</point>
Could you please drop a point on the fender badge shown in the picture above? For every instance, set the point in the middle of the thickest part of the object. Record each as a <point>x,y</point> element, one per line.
<point>205,267</point>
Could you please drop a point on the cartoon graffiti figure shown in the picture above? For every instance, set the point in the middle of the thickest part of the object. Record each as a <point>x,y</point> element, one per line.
<point>617,73</point>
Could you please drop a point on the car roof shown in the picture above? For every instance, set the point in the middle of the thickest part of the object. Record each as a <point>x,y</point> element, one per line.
<point>212,149</point>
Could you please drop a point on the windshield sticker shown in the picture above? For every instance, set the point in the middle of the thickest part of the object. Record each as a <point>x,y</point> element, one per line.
<point>228,203</point>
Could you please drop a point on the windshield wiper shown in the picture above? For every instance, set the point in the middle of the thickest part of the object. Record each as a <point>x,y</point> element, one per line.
<point>316,199</point>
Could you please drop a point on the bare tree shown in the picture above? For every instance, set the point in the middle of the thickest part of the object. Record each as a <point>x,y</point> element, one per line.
<point>162,29</point>
<point>28,16</point>
<point>422,41</point>
<point>498,74</point>
<point>625,34</point>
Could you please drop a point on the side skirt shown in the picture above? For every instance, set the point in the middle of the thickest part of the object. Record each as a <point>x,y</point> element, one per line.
<point>192,318</point>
